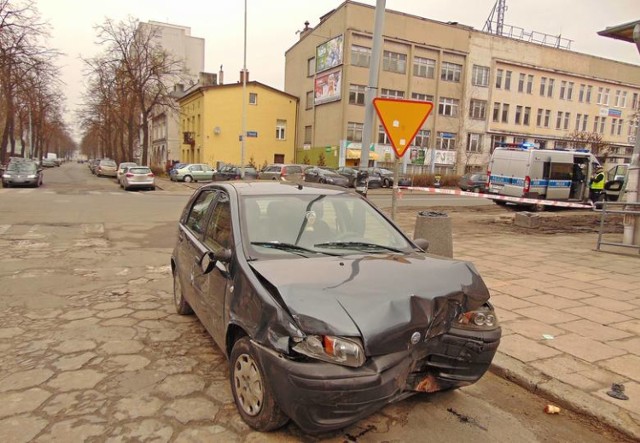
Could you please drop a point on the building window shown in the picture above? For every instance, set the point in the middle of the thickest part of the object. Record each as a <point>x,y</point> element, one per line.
<point>360,56</point>
<point>507,81</point>
<point>518,114</point>
<point>605,97</point>
<point>539,117</point>
<point>391,93</point>
<point>547,117</point>
<point>529,84</point>
<point>602,123</point>
<point>424,67</point>
<point>527,115</point>
<point>446,141</point>
<point>543,85</point>
<point>559,120</point>
<point>596,121</point>
<point>505,113</point>
<point>474,142</point>
<point>563,87</point>
<point>570,91</point>
<point>311,66</point>
<point>394,62</point>
<point>478,109</point>
<point>578,117</point>
<point>356,94</point>
<point>634,101</point>
<point>281,129</point>
<point>309,100</point>
<point>421,139</point>
<point>480,76</point>
<point>253,98</point>
<point>307,135</point>
<point>354,132</point>
<point>585,121</point>
<point>499,78</point>
<point>448,106</point>
<point>581,93</point>
<point>618,99</point>
<point>421,97</point>
<point>550,88</point>
<point>599,97</point>
<point>613,125</point>
<point>623,100</point>
<point>567,117</point>
<point>496,112</point>
<point>521,82</point>
<point>382,136</point>
<point>450,72</point>
<point>588,97</point>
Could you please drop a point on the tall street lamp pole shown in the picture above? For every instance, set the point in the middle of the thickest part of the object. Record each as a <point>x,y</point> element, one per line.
<point>244,96</point>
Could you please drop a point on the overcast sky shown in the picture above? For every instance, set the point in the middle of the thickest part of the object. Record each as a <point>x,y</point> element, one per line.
<point>272,26</point>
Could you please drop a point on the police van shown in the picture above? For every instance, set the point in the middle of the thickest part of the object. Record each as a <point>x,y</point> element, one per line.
<point>522,170</point>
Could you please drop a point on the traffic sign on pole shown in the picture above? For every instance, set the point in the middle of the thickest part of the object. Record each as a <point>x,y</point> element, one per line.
<point>402,119</point>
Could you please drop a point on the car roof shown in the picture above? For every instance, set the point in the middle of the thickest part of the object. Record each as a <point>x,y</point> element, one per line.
<point>254,188</point>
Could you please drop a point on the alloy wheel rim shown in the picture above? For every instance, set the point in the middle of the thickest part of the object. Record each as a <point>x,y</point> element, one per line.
<point>248,385</point>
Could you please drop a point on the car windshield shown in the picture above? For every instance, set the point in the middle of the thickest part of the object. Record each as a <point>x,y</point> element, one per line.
<point>21,166</point>
<point>275,226</point>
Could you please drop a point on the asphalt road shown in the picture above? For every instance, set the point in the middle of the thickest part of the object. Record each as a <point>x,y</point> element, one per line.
<point>91,349</point>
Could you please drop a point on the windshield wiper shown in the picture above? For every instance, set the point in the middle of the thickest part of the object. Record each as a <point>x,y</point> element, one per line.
<point>357,245</point>
<point>290,247</point>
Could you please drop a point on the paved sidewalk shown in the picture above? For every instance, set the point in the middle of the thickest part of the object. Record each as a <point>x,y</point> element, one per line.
<point>570,317</point>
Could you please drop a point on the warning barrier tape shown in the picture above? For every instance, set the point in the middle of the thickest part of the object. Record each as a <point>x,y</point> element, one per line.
<point>533,201</point>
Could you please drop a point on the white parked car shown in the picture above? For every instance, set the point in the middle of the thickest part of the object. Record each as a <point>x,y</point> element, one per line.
<point>138,177</point>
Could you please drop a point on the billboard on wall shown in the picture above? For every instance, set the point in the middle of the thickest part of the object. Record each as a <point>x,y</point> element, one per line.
<point>329,54</point>
<point>327,87</point>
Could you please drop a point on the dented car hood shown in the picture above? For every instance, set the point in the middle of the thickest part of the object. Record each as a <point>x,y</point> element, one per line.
<point>382,298</point>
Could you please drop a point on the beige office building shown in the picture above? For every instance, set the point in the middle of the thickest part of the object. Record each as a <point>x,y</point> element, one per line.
<point>486,89</point>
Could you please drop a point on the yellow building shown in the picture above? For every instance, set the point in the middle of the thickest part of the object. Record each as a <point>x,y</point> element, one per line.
<point>211,125</point>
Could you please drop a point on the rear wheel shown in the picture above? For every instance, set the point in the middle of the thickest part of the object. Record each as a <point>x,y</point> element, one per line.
<point>251,390</point>
<point>188,179</point>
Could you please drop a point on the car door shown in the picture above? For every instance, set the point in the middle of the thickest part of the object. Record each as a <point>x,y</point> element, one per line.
<point>191,249</point>
<point>218,238</point>
<point>196,172</point>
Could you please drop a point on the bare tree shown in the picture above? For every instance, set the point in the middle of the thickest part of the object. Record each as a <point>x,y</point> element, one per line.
<point>592,141</point>
<point>148,71</point>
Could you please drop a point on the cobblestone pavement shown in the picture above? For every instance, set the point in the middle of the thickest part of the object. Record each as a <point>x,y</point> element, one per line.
<point>92,349</point>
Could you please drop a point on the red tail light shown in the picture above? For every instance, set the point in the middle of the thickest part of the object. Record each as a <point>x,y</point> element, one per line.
<point>150,174</point>
<point>128,174</point>
<point>488,179</point>
<point>527,184</point>
<point>283,172</point>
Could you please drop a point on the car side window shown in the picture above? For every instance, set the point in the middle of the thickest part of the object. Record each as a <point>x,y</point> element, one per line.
<point>198,214</point>
<point>219,233</point>
<point>195,168</point>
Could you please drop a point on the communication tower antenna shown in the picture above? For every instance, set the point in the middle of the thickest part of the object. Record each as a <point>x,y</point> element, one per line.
<point>496,17</point>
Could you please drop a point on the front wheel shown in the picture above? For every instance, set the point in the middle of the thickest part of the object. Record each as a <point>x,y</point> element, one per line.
<point>251,390</point>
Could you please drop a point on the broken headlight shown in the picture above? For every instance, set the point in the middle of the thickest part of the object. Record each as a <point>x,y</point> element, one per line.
<point>343,351</point>
<point>481,318</point>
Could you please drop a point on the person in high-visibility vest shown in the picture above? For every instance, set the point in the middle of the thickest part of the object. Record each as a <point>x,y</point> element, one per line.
<point>596,184</point>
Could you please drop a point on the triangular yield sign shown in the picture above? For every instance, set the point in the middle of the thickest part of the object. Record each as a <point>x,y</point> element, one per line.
<point>402,119</point>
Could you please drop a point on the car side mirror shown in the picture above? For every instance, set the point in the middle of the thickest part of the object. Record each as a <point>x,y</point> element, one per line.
<point>422,244</point>
<point>208,260</point>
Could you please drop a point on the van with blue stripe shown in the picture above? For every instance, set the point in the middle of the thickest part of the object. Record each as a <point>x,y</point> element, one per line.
<point>521,170</point>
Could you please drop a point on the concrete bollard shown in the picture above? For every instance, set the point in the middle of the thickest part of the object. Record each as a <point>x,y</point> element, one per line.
<point>527,220</point>
<point>435,227</point>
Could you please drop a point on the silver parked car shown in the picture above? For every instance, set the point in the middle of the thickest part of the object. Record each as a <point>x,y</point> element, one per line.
<point>122,168</point>
<point>107,168</point>
<point>192,172</point>
<point>278,171</point>
<point>138,177</point>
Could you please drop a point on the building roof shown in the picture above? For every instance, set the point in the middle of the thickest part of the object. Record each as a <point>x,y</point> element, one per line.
<point>201,89</point>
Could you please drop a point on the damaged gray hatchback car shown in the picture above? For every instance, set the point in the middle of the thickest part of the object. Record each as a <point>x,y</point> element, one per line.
<point>326,311</point>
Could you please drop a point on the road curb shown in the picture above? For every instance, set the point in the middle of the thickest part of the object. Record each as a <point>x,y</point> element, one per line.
<point>565,396</point>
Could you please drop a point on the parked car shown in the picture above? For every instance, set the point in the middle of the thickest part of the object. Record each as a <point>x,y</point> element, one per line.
<point>122,169</point>
<point>107,168</point>
<point>293,283</point>
<point>22,173</point>
<point>137,177</point>
<point>93,165</point>
<point>352,173</point>
<point>285,172</point>
<point>48,163</point>
<point>320,175</point>
<point>386,177</point>
<point>473,181</point>
<point>192,172</point>
<point>231,172</point>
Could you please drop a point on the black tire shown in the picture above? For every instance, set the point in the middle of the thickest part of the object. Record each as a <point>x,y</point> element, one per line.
<point>188,179</point>
<point>182,306</point>
<point>251,390</point>
<point>6,185</point>
<point>500,202</point>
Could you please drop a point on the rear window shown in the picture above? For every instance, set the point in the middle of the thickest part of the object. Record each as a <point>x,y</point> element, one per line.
<point>107,163</point>
<point>139,170</point>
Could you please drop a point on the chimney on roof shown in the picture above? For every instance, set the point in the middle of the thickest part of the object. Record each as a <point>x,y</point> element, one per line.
<point>208,79</point>
<point>307,29</point>
<point>242,75</point>
<point>220,76</point>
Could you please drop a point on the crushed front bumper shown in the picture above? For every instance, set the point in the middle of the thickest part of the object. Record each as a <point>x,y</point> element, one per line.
<point>321,397</point>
